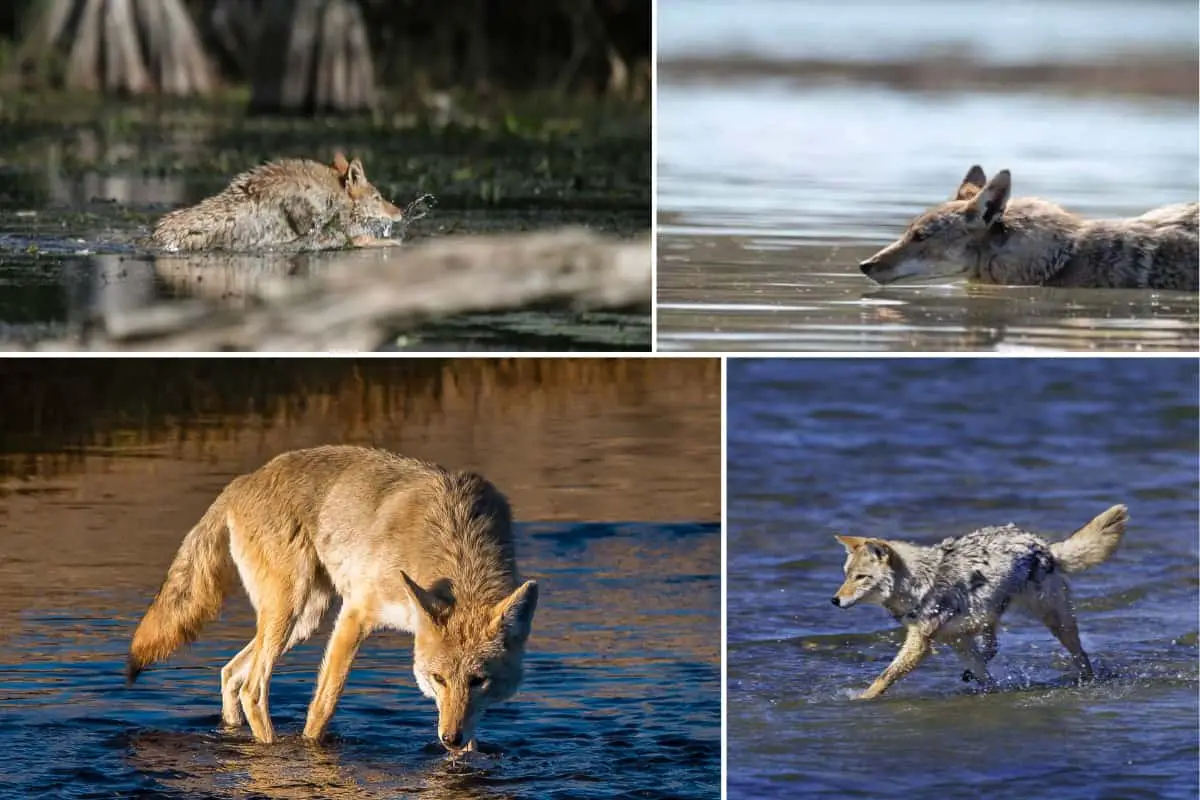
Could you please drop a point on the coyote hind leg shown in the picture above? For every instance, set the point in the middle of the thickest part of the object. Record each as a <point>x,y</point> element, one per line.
<point>1054,609</point>
<point>233,678</point>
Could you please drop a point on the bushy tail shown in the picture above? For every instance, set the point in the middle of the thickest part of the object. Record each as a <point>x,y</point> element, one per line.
<point>191,594</point>
<point>1093,543</point>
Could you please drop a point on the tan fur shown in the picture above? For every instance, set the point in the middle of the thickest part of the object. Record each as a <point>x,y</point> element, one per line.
<point>1092,544</point>
<point>291,204</point>
<point>405,544</point>
<point>984,235</point>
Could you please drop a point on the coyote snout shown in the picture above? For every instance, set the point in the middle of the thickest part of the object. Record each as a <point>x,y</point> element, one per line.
<point>984,235</point>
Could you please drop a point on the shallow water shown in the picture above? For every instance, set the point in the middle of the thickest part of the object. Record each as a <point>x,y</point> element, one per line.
<point>771,192</point>
<point>622,690</point>
<point>80,188</point>
<point>920,450</point>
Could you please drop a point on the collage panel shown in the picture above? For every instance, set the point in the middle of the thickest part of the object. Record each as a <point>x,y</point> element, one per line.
<point>325,175</point>
<point>548,529</point>
<point>962,578</point>
<point>928,176</point>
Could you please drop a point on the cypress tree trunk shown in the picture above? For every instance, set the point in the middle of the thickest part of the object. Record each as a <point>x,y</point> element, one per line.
<point>120,46</point>
<point>313,56</point>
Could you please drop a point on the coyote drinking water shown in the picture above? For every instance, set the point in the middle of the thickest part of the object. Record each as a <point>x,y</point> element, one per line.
<point>405,544</point>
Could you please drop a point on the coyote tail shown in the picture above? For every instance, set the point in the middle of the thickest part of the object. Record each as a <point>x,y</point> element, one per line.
<point>190,595</point>
<point>1093,543</point>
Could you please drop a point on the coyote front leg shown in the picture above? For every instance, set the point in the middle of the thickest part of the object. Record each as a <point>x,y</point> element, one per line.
<point>916,646</point>
<point>348,634</point>
<point>975,654</point>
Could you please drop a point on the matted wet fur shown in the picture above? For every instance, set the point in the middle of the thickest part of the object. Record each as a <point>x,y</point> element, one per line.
<point>955,592</point>
<point>404,543</point>
<point>290,205</point>
<point>983,234</point>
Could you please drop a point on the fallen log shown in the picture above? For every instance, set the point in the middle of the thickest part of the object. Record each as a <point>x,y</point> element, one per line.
<point>362,300</point>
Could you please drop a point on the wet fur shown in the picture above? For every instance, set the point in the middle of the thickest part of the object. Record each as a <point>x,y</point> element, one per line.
<point>404,543</point>
<point>956,592</point>
<point>1025,241</point>
<point>289,205</point>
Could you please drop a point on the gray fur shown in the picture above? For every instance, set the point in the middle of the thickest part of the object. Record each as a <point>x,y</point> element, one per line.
<point>955,592</point>
<point>983,234</point>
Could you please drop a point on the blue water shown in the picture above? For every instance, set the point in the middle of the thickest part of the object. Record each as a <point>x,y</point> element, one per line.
<point>920,450</point>
<point>621,697</point>
<point>622,688</point>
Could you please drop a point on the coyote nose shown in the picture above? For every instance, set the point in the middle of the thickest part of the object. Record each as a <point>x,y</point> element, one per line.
<point>452,739</point>
<point>835,601</point>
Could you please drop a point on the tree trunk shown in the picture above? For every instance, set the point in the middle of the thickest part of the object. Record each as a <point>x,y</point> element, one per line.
<point>313,57</point>
<point>120,46</point>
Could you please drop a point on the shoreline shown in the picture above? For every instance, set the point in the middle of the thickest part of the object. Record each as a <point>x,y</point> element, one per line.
<point>1173,76</point>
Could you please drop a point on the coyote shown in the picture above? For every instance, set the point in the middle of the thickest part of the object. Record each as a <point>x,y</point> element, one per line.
<point>292,205</point>
<point>404,543</point>
<point>1025,241</point>
<point>955,592</point>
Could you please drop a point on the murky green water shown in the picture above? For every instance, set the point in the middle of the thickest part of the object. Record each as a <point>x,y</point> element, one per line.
<point>81,184</point>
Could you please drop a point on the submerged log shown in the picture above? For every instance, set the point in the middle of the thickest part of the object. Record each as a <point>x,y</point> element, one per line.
<point>120,46</point>
<point>359,300</point>
<point>313,56</point>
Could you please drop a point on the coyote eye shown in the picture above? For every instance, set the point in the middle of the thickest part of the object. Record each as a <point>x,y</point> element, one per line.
<point>438,679</point>
<point>861,577</point>
<point>476,681</point>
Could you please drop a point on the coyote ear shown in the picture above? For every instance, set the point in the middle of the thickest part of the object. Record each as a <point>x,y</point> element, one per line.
<point>851,543</point>
<point>340,164</point>
<point>971,183</point>
<point>355,175</point>
<point>993,197</point>
<point>878,549</point>
<point>513,616</point>
<point>434,608</point>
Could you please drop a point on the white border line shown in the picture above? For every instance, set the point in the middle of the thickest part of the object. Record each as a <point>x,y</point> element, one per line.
<point>654,179</point>
<point>724,585</point>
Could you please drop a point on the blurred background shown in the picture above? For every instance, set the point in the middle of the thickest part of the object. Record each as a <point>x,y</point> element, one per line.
<point>613,468</point>
<point>514,116</point>
<point>797,138</point>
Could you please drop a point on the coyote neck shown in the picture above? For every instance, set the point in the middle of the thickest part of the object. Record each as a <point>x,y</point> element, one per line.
<point>914,569</point>
<point>472,560</point>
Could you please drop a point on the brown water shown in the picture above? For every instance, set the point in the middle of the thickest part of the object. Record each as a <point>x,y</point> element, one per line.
<point>613,468</point>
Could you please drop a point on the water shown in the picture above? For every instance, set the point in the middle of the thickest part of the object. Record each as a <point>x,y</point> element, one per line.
<point>82,184</point>
<point>612,467</point>
<point>1015,31</point>
<point>923,449</point>
<point>774,185</point>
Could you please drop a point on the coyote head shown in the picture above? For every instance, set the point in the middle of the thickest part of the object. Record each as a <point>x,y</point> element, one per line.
<point>945,241</point>
<point>467,658</point>
<point>869,574</point>
<point>370,214</point>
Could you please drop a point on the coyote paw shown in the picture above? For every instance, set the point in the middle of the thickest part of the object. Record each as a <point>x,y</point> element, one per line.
<point>968,676</point>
